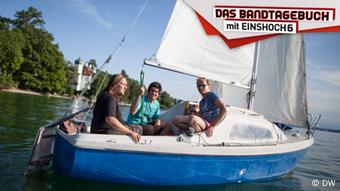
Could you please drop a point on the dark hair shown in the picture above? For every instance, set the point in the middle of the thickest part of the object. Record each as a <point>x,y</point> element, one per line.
<point>155,85</point>
<point>114,80</point>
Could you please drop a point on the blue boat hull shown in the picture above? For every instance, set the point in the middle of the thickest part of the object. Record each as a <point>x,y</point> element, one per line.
<point>167,169</point>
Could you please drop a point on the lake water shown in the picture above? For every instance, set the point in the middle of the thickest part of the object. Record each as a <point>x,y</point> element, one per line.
<point>21,115</point>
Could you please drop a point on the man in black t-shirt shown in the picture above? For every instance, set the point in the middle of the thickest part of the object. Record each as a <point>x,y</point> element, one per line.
<point>107,117</point>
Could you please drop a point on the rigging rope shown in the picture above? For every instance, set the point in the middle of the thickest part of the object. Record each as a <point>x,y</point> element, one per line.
<point>115,52</point>
<point>141,83</point>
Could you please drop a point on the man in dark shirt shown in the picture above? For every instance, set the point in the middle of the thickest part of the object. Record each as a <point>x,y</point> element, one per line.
<point>107,117</point>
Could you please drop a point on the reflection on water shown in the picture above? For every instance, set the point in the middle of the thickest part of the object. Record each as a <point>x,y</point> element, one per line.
<point>21,116</point>
<point>50,181</point>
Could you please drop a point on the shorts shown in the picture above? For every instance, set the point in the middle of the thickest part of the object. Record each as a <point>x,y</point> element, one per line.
<point>207,123</point>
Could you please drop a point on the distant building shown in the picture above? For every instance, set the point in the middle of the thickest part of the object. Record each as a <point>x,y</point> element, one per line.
<point>84,74</point>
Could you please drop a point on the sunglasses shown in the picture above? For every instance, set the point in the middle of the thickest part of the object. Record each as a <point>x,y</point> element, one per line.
<point>201,85</point>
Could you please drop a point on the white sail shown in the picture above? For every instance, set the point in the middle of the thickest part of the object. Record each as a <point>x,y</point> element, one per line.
<point>236,96</point>
<point>281,80</point>
<point>280,93</point>
<point>188,49</point>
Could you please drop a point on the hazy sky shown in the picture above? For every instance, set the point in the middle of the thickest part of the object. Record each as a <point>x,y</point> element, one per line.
<point>93,28</point>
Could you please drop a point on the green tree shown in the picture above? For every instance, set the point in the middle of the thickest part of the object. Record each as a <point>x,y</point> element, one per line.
<point>43,68</point>
<point>11,42</point>
<point>5,23</point>
<point>28,19</point>
<point>98,84</point>
<point>133,87</point>
<point>71,78</point>
<point>165,99</point>
<point>132,90</point>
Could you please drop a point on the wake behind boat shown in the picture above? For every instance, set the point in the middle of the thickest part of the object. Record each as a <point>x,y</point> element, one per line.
<point>263,82</point>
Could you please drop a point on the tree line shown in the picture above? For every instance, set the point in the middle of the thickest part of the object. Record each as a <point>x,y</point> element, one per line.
<point>31,60</point>
<point>164,99</point>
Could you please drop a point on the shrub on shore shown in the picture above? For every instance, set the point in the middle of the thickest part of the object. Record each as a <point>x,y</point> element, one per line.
<point>6,82</point>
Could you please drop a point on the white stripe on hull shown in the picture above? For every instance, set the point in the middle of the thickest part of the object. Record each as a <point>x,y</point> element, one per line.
<point>170,145</point>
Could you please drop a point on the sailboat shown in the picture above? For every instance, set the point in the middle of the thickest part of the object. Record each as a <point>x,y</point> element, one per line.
<point>264,85</point>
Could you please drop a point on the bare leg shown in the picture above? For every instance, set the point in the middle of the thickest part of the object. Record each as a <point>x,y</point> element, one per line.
<point>185,121</point>
<point>181,121</point>
<point>166,127</point>
<point>197,123</point>
<point>148,129</point>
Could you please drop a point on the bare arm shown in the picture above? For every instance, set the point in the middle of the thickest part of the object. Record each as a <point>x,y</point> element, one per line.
<point>134,106</point>
<point>223,111</point>
<point>118,126</point>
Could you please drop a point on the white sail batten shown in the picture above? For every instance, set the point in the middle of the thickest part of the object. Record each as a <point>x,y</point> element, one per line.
<point>281,81</point>
<point>188,49</point>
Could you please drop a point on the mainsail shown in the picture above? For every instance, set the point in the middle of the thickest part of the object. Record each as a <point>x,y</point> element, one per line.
<point>186,48</point>
<point>280,93</point>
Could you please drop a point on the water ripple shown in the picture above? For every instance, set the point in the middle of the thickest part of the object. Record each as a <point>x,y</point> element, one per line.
<point>22,115</point>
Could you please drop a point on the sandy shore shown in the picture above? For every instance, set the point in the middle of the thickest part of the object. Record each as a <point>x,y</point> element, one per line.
<point>14,90</point>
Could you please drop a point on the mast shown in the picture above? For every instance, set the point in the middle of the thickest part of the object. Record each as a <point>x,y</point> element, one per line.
<point>253,77</point>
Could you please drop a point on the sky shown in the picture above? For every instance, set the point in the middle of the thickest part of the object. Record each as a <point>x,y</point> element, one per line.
<point>92,29</point>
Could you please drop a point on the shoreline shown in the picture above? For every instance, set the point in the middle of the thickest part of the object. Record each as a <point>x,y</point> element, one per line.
<point>29,92</point>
